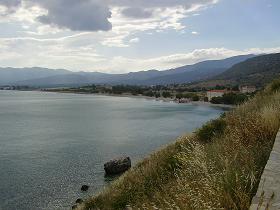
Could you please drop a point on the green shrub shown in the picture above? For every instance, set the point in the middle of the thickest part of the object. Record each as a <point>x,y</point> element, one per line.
<point>230,98</point>
<point>212,128</point>
<point>275,85</point>
<point>166,94</point>
<point>195,98</point>
<point>179,95</point>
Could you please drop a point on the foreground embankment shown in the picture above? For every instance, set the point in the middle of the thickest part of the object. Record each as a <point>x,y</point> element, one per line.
<point>268,194</point>
<point>218,167</point>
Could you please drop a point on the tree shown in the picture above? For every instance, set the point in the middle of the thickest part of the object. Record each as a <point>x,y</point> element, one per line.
<point>195,98</point>
<point>230,98</point>
<point>166,94</point>
<point>179,95</point>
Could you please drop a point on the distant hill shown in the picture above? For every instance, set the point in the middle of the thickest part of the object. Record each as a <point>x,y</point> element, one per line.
<point>13,75</point>
<point>185,74</point>
<point>256,71</point>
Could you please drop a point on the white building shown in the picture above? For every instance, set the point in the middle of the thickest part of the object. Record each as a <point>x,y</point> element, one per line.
<point>247,89</point>
<point>215,93</point>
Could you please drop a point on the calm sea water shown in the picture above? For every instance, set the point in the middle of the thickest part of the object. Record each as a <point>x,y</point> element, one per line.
<point>51,144</point>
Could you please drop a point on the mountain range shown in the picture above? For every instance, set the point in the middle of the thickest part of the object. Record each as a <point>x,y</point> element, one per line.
<point>257,71</point>
<point>44,77</point>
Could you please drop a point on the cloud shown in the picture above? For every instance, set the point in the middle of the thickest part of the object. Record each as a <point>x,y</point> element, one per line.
<point>68,53</point>
<point>8,6</point>
<point>134,12</point>
<point>177,60</point>
<point>134,40</point>
<point>187,4</point>
<point>95,15</point>
<point>144,8</point>
<point>10,3</point>
<point>86,15</point>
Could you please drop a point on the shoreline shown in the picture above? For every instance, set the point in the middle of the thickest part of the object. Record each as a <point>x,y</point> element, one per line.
<point>203,103</point>
<point>169,100</point>
<point>112,95</point>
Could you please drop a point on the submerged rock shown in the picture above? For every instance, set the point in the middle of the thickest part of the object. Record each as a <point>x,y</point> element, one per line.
<point>84,187</point>
<point>117,166</point>
<point>75,207</point>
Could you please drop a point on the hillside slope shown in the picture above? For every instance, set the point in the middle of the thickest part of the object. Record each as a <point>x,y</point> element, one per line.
<point>12,75</point>
<point>257,71</point>
<point>203,171</point>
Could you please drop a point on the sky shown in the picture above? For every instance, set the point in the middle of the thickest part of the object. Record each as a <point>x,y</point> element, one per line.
<point>118,36</point>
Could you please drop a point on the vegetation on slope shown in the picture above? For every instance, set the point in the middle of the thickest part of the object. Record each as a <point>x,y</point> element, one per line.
<point>218,167</point>
<point>257,71</point>
<point>230,98</point>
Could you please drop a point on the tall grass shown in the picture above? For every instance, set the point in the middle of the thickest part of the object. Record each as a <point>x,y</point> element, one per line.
<point>218,167</point>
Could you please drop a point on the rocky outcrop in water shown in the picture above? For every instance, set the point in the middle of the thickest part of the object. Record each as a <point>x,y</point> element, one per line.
<point>79,201</point>
<point>84,187</point>
<point>117,166</point>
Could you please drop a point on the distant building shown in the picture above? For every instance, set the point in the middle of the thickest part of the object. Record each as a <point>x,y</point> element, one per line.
<point>247,89</point>
<point>215,93</point>
<point>6,88</point>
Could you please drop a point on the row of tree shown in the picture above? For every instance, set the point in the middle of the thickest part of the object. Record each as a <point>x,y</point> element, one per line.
<point>230,99</point>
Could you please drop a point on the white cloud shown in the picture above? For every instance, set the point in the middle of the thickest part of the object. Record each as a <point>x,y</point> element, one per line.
<point>134,40</point>
<point>49,35</point>
<point>95,15</point>
<point>64,53</point>
<point>47,17</point>
<point>177,60</point>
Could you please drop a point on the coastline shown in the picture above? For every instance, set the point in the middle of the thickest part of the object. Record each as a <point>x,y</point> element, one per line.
<point>114,95</point>
<point>169,100</point>
<point>203,103</point>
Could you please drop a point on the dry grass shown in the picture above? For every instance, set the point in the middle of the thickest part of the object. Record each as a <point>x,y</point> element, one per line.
<point>220,171</point>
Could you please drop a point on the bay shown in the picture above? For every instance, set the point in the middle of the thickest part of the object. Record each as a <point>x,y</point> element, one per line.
<point>52,143</point>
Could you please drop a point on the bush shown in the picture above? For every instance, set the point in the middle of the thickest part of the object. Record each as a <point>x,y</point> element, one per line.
<point>157,94</point>
<point>179,95</point>
<point>166,94</point>
<point>275,85</point>
<point>195,98</point>
<point>211,129</point>
<point>188,95</point>
<point>216,100</point>
<point>230,99</point>
<point>149,93</point>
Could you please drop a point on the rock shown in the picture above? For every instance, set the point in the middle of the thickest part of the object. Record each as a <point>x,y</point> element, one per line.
<point>117,166</point>
<point>79,201</point>
<point>75,207</point>
<point>84,187</point>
